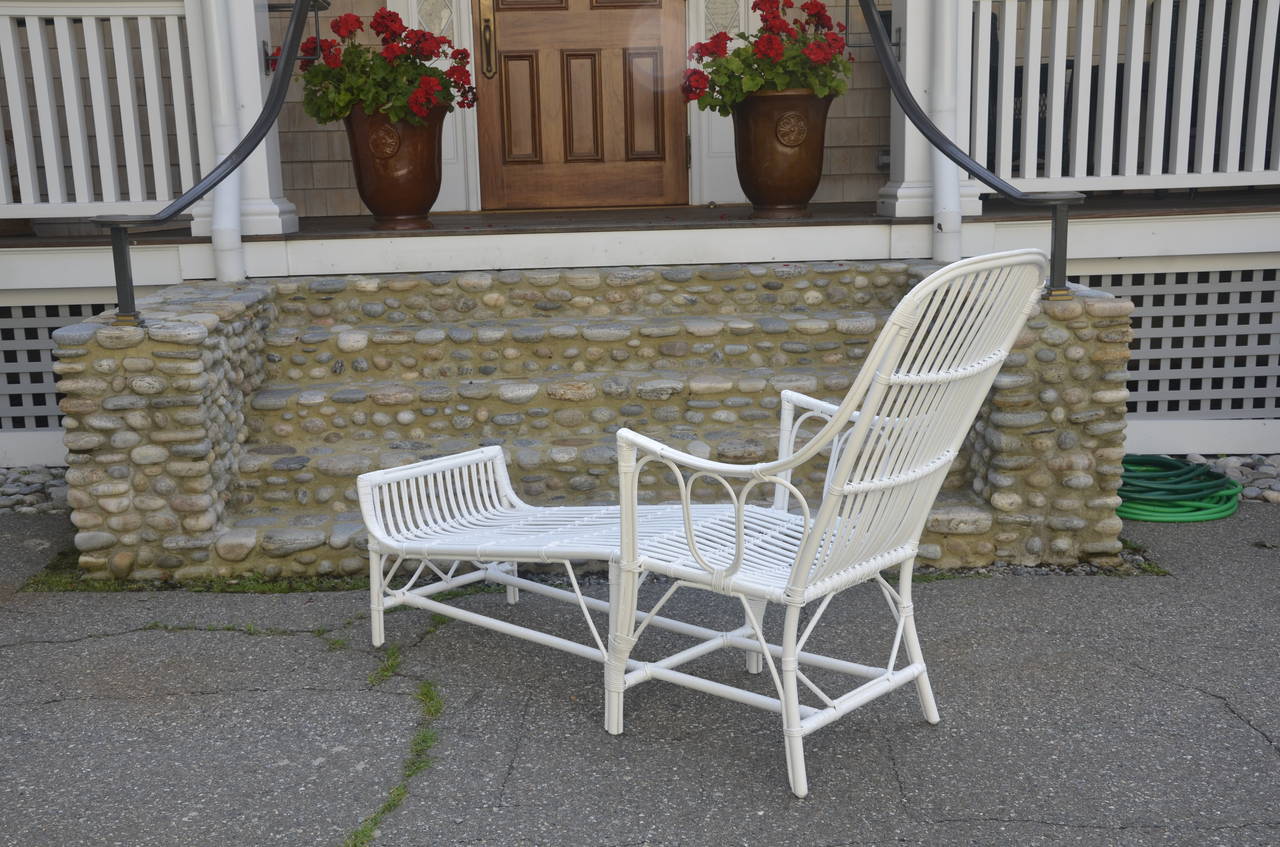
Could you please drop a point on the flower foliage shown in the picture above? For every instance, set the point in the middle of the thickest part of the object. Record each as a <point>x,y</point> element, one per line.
<point>398,77</point>
<point>806,51</point>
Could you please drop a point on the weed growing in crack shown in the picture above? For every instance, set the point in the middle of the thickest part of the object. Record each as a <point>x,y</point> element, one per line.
<point>247,629</point>
<point>431,705</point>
<point>390,664</point>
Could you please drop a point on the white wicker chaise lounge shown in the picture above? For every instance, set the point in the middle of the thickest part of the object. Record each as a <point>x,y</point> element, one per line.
<point>887,448</point>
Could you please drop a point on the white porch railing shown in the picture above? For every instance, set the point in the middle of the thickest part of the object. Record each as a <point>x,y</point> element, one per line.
<point>98,106</point>
<point>1103,95</point>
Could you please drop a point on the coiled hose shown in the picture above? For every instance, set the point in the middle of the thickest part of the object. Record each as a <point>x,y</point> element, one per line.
<point>1165,490</point>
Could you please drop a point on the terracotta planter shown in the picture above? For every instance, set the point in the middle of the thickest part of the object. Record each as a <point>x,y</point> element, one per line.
<point>778,138</point>
<point>397,166</point>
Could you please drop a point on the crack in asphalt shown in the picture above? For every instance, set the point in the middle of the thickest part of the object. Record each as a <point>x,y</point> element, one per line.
<point>1115,827</point>
<point>154,626</point>
<point>1226,701</point>
<point>199,692</point>
<point>515,751</point>
<point>902,786</point>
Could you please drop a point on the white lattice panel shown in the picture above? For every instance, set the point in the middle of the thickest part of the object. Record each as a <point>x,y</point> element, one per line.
<point>27,398</point>
<point>1206,344</point>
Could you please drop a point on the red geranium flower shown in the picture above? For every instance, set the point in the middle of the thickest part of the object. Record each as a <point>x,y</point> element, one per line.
<point>307,48</point>
<point>776,23</point>
<point>346,26</point>
<point>817,12</point>
<point>425,96</point>
<point>460,56</point>
<point>695,84</point>
<point>387,24</point>
<point>835,42</point>
<point>394,51</point>
<point>769,46</point>
<point>331,53</point>
<point>424,44</point>
<point>458,75</point>
<point>713,48</point>
<point>818,52</point>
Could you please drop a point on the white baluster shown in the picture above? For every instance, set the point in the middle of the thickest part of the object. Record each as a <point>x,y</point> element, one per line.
<point>46,111</point>
<point>181,106</point>
<point>198,60</point>
<point>1184,92</point>
<point>1081,108</point>
<point>73,107</point>
<point>1056,96</point>
<point>1255,151</point>
<point>1210,86</point>
<point>15,74</point>
<point>157,126</point>
<point>1161,56</point>
<point>1008,65</point>
<point>1108,68</point>
<point>1236,82</point>
<point>100,99</point>
<point>981,87</point>
<point>130,131</point>
<point>1131,107</point>
<point>1033,35</point>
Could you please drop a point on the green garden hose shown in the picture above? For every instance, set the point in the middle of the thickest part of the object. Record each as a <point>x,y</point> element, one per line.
<point>1165,490</point>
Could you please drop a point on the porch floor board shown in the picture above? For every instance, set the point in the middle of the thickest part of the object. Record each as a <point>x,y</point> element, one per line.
<point>650,218</point>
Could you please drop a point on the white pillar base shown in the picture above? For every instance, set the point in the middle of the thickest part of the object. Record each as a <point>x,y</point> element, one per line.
<point>906,200</point>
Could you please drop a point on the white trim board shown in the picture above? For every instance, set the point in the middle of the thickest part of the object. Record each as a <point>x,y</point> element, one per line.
<point>1149,245</point>
<point>1178,436</point>
<point>20,449</point>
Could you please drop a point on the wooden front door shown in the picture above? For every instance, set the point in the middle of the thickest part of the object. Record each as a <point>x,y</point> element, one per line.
<point>580,104</point>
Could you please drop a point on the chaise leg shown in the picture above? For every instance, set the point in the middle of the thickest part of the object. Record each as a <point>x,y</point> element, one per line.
<point>376,587</point>
<point>923,690</point>
<point>624,586</point>
<point>790,695</point>
<point>755,661</point>
<point>513,593</point>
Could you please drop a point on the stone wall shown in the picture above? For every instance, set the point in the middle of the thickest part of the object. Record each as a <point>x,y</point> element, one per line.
<point>154,420</point>
<point>228,434</point>
<point>1045,451</point>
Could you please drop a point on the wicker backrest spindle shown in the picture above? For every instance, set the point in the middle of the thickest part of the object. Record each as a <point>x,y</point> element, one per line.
<point>910,408</point>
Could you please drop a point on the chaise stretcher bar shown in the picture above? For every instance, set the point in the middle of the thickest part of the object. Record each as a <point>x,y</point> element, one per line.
<point>881,680</point>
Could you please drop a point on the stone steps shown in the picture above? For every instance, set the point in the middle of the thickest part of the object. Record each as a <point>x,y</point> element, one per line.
<point>683,290</point>
<point>529,346</point>
<point>636,390</point>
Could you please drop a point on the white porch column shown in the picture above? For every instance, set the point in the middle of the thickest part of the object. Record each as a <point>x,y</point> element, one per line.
<point>909,192</point>
<point>264,210</point>
<point>224,226</point>
<point>942,108</point>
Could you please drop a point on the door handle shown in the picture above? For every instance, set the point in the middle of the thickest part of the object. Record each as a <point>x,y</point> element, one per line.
<point>488,39</point>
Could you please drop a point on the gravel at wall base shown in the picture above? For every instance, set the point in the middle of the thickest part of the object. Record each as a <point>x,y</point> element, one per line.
<point>35,489</point>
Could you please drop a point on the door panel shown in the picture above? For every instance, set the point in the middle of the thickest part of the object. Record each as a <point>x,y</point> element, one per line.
<point>581,103</point>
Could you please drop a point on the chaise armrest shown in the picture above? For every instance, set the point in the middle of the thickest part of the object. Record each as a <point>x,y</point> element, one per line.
<point>396,502</point>
<point>653,447</point>
<point>811,404</point>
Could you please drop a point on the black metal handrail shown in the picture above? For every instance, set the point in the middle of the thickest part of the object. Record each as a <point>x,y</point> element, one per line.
<point>1057,200</point>
<point>126,308</point>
